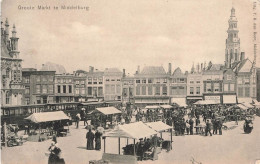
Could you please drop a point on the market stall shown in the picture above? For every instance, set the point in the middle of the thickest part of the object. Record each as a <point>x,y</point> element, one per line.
<point>207,102</point>
<point>161,127</point>
<point>46,124</point>
<point>181,102</point>
<point>256,104</point>
<point>135,131</point>
<point>106,114</point>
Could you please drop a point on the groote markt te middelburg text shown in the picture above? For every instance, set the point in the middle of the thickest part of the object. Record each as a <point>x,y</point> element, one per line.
<point>48,7</point>
<point>108,115</point>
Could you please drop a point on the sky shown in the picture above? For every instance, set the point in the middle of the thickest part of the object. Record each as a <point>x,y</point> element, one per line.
<point>128,33</point>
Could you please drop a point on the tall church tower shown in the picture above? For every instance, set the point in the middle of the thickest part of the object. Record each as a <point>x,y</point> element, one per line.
<point>232,42</point>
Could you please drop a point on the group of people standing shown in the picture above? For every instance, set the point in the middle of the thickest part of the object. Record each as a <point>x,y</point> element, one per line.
<point>90,140</point>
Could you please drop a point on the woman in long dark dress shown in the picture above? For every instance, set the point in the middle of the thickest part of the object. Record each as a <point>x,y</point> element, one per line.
<point>98,140</point>
<point>90,137</point>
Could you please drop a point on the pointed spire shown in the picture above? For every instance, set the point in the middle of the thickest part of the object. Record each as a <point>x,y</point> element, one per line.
<point>14,30</point>
<point>233,12</point>
<point>6,22</point>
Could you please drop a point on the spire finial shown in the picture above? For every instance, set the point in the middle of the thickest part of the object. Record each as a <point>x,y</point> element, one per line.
<point>6,22</point>
<point>14,30</point>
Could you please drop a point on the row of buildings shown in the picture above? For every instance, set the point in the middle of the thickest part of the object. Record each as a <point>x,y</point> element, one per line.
<point>224,83</point>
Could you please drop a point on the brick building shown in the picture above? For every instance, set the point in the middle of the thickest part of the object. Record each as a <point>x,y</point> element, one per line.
<point>39,86</point>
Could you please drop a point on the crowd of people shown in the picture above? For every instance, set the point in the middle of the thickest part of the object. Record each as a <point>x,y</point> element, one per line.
<point>205,120</point>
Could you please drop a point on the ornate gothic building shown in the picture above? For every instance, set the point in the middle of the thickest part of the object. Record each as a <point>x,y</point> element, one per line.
<point>11,68</point>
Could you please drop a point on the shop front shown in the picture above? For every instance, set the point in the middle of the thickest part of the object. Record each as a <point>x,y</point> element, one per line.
<point>142,102</point>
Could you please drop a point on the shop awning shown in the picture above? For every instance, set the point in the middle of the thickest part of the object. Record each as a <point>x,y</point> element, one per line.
<point>229,99</point>
<point>166,106</point>
<point>152,107</point>
<point>108,110</point>
<point>256,103</point>
<point>47,116</point>
<point>245,99</point>
<point>242,107</point>
<point>152,101</point>
<point>179,101</point>
<point>158,126</point>
<point>248,105</point>
<point>207,102</point>
<point>135,130</point>
<point>194,98</point>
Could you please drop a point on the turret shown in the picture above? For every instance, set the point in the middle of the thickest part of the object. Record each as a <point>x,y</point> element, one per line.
<point>2,29</point>
<point>232,53</point>
<point>6,31</point>
<point>14,44</point>
<point>192,69</point>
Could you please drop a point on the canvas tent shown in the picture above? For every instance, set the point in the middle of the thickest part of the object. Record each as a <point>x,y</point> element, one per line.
<point>166,106</point>
<point>108,110</point>
<point>206,102</point>
<point>47,117</point>
<point>158,126</point>
<point>179,101</point>
<point>245,100</point>
<point>135,130</point>
<point>248,105</point>
<point>152,107</point>
<point>256,103</point>
<point>241,106</point>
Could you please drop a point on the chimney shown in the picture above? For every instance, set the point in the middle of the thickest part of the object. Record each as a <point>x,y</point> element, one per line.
<point>170,68</point>
<point>138,69</point>
<point>242,57</point>
<point>198,68</point>
<point>201,67</point>
<point>123,72</point>
<point>91,69</point>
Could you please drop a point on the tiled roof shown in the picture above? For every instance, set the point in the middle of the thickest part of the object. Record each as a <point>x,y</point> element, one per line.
<point>245,66</point>
<point>215,67</point>
<point>178,73</point>
<point>153,70</point>
<point>112,70</point>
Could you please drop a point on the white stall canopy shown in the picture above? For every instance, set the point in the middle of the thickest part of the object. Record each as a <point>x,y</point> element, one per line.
<point>47,117</point>
<point>158,126</point>
<point>179,101</point>
<point>166,106</point>
<point>207,102</point>
<point>152,107</point>
<point>108,110</point>
<point>245,99</point>
<point>135,130</point>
